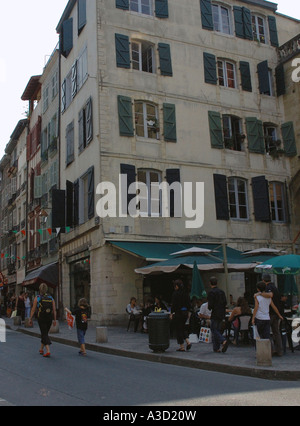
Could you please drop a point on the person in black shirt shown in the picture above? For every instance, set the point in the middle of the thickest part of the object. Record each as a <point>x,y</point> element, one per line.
<point>82,313</point>
<point>181,305</point>
<point>217,305</point>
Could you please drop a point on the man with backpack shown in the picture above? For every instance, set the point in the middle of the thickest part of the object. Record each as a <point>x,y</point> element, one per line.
<point>45,306</point>
<point>217,305</point>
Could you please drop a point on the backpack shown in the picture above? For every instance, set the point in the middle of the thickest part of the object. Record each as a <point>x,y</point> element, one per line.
<point>45,306</point>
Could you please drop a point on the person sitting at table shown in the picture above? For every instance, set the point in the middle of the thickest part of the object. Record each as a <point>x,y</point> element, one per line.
<point>159,304</point>
<point>134,312</point>
<point>242,308</point>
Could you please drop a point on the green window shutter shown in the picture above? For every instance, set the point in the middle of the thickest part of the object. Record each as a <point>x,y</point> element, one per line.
<point>289,141</point>
<point>255,135</point>
<point>239,22</point>
<point>122,51</point>
<point>261,201</point>
<point>122,4</point>
<point>206,15</point>
<point>125,116</point>
<point>162,9</point>
<point>273,31</point>
<point>70,143</point>
<point>63,96</point>
<point>89,120</point>
<point>221,197</point>
<point>74,79</point>
<point>170,133</point>
<point>247,20</point>
<point>69,204</point>
<point>165,59</point>
<point>81,131</point>
<point>263,78</point>
<point>91,192</point>
<point>245,76</point>
<point>210,68</point>
<point>37,187</point>
<point>215,127</point>
<point>76,202</point>
<point>172,176</point>
<point>280,80</point>
<point>67,37</point>
<point>81,15</point>
<point>130,172</point>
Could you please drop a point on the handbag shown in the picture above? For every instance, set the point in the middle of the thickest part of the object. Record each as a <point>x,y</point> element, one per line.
<point>14,314</point>
<point>205,335</point>
<point>256,336</point>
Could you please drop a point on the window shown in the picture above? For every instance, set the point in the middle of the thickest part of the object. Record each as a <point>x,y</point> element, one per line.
<point>70,143</point>
<point>226,74</point>
<point>85,125</point>
<point>221,19</point>
<point>150,204</point>
<point>259,29</point>
<point>271,141</point>
<point>277,200</point>
<point>232,131</point>
<point>142,56</point>
<point>146,120</point>
<point>141,6</point>
<point>238,199</point>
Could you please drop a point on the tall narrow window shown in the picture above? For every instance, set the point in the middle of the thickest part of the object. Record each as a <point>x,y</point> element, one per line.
<point>259,29</point>
<point>232,131</point>
<point>226,74</point>
<point>277,200</point>
<point>271,141</point>
<point>221,19</point>
<point>238,198</point>
<point>142,6</point>
<point>146,120</point>
<point>142,56</point>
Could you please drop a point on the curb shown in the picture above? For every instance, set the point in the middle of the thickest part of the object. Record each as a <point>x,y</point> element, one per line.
<point>165,358</point>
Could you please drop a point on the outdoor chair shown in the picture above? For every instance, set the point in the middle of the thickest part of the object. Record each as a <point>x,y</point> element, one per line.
<point>133,318</point>
<point>244,327</point>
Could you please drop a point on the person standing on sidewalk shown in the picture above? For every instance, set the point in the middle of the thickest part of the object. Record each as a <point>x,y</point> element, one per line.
<point>217,305</point>
<point>46,312</point>
<point>181,305</point>
<point>273,293</point>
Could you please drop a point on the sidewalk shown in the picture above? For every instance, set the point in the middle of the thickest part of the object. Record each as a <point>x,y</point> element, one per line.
<point>237,360</point>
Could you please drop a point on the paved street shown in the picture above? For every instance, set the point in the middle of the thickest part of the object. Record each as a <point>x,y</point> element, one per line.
<point>106,380</point>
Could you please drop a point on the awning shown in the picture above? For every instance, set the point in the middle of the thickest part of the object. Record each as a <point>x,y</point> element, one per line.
<point>47,274</point>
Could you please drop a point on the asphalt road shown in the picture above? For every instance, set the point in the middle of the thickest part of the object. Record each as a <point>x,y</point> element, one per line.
<point>66,379</point>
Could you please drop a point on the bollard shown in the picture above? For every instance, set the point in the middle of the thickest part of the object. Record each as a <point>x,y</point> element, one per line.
<point>263,353</point>
<point>17,320</point>
<point>101,335</point>
<point>54,329</point>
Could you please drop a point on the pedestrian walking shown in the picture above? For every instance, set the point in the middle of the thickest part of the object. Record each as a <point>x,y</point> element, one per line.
<point>27,302</point>
<point>217,305</point>
<point>181,305</point>
<point>261,314</point>
<point>45,305</point>
<point>20,306</point>
<point>82,313</point>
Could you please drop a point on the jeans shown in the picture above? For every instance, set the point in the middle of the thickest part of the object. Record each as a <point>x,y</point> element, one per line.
<point>81,336</point>
<point>263,328</point>
<point>217,338</point>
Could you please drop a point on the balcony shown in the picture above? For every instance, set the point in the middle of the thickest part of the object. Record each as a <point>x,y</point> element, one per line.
<point>289,49</point>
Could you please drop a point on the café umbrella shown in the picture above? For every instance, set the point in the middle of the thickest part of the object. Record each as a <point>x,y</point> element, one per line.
<point>288,264</point>
<point>198,289</point>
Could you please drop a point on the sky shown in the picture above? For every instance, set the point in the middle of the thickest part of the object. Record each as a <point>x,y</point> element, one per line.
<point>28,37</point>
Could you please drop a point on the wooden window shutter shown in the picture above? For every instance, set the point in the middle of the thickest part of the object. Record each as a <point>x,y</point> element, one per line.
<point>210,68</point>
<point>81,15</point>
<point>122,4</point>
<point>206,15</point>
<point>239,22</point>
<point>245,76</point>
<point>255,135</point>
<point>263,78</point>
<point>280,80</point>
<point>247,20</point>
<point>165,59</point>
<point>162,9</point>
<point>69,204</point>
<point>273,31</point>
<point>67,37</point>
<point>70,143</point>
<point>58,208</point>
<point>260,190</point>
<point>76,203</point>
<point>289,141</point>
<point>215,127</point>
<point>173,175</point>
<point>81,131</point>
<point>221,197</point>
<point>125,116</point>
<point>122,51</point>
<point>74,79</point>
<point>170,134</point>
<point>63,96</point>
<point>129,171</point>
<point>89,120</point>
<point>91,193</point>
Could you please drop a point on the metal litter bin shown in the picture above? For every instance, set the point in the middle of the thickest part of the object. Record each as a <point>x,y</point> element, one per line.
<point>159,331</point>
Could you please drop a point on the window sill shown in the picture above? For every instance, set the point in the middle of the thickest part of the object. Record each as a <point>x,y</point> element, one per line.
<point>148,140</point>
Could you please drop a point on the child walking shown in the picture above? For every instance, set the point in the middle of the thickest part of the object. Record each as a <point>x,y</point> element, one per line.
<point>82,314</point>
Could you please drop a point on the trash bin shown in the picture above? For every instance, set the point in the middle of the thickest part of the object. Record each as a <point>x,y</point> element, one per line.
<point>159,331</point>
